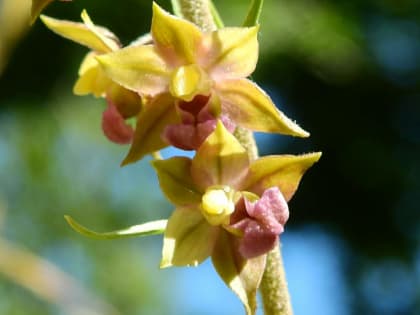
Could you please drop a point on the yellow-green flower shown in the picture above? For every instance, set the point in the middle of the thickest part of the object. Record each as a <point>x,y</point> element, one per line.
<point>228,207</point>
<point>184,63</point>
<point>122,103</point>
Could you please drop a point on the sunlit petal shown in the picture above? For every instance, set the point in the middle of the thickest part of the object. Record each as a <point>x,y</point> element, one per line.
<point>250,107</point>
<point>220,160</point>
<point>230,52</point>
<point>151,121</point>
<point>283,171</point>
<point>188,239</point>
<point>79,33</point>
<point>189,81</point>
<point>176,182</point>
<point>92,79</point>
<point>137,68</point>
<point>176,39</point>
<point>241,275</point>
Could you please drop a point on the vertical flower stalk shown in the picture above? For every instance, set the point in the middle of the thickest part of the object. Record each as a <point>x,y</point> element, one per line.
<point>196,11</point>
<point>274,291</point>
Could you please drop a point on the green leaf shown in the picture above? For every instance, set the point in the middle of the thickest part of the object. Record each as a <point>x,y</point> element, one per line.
<point>176,7</point>
<point>254,13</point>
<point>216,16</point>
<point>189,239</point>
<point>283,171</point>
<point>176,182</point>
<point>149,228</point>
<point>242,276</point>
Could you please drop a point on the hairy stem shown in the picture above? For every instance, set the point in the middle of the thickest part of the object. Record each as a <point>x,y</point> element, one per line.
<point>275,294</point>
<point>274,291</point>
<point>198,12</point>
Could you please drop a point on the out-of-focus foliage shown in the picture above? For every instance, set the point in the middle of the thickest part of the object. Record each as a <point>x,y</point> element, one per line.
<point>14,22</point>
<point>348,71</point>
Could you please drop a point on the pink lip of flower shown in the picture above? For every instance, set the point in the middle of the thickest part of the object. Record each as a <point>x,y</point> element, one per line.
<point>114,125</point>
<point>197,123</point>
<point>122,103</point>
<point>185,62</point>
<point>260,222</point>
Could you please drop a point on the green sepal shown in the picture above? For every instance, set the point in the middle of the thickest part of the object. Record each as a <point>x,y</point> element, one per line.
<point>242,276</point>
<point>282,171</point>
<point>189,239</point>
<point>145,229</point>
<point>151,121</point>
<point>220,160</point>
<point>176,182</point>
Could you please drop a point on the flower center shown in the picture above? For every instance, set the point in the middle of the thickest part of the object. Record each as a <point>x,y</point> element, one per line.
<point>217,204</point>
<point>189,81</point>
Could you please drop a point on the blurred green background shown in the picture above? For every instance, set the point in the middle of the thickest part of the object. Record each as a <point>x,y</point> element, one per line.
<point>347,71</point>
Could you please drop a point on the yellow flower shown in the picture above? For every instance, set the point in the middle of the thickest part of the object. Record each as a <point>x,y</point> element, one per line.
<point>184,63</point>
<point>122,103</point>
<point>228,207</point>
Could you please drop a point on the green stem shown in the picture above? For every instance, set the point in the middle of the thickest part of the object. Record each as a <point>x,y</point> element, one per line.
<point>254,13</point>
<point>274,290</point>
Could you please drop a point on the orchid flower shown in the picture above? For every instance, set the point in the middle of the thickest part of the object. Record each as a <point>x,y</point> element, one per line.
<point>228,207</point>
<point>122,103</point>
<point>186,65</point>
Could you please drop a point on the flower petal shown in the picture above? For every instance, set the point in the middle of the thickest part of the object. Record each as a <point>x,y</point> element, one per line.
<point>151,121</point>
<point>220,160</point>
<point>80,33</point>
<point>271,210</point>
<point>92,79</point>
<point>138,68</point>
<point>114,126</point>
<point>283,171</point>
<point>188,239</point>
<point>256,240</point>
<point>107,37</point>
<point>249,106</point>
<point>176,182</point>
<point>230,53</point>
<point>189,81</point>
<point>242,276</point>
<point>127,102</point>
<point>176,39</point>
<point>188,136</point>
<point>145,229</point>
